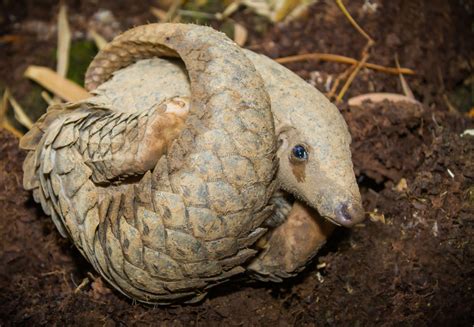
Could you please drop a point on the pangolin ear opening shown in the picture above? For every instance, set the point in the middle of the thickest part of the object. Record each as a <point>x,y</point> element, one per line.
<point>282,132</point>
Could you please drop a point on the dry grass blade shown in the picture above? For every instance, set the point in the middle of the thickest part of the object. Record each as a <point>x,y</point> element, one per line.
<point>99,40</point>
<point>4,107</point>
<point>406,89</point>
<point>10,38</point>
<point>20,114</point>
<point>171,14</point>
<point>9,127</point>
<point>240,34</point>
<point>60,86</point>
<point>344,60</point>
<point>286,7</point>
<point>64,42</point>
<point>47,98</point>
<point>158,13</point>
<point>230,9</point>
<point>261,7</point>
<point>197,14</point>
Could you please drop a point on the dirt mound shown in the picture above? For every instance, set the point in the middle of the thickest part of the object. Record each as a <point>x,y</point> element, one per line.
<point>414,264</point>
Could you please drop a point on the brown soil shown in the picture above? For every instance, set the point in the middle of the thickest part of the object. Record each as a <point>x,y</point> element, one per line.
<point>413,265</point>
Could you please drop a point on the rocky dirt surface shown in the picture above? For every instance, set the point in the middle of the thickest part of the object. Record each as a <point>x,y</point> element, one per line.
<point>411,262</point>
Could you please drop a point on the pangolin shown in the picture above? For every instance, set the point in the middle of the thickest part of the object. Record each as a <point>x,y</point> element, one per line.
<point>165,181</point>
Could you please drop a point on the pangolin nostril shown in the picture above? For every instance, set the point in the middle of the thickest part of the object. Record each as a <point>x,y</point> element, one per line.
<point>349,215</point>
<point>344,212</point>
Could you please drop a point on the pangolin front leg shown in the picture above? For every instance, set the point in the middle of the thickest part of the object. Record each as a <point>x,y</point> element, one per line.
<point>289,247</point>
<point>122,145</point>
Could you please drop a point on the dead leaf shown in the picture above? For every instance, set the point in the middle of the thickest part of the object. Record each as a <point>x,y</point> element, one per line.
<point>278,10</point>
<point>64,88</point>
<point>471,113</point>
<point>240,34</point>
<point>375,216</point>
<point>11,38</point>
<point>468,132</point>
<point>402,185</point>
<point>379,97</point>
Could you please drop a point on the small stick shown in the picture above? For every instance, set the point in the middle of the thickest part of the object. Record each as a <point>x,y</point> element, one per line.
<point>353,22</point>
<point>338,80</point>
<point>84,282</point>
<point>365,51</point>
<point>344,60</point>
<point>354,73</point>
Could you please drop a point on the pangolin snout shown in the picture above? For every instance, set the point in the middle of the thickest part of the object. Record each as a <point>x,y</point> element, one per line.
<point>349,214</point>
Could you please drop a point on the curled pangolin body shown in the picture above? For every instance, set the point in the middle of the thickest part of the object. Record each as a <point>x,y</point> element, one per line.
<point>174,232</point>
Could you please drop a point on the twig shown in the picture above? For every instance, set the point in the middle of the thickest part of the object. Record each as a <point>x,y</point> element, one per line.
<point>353,22</point>
<point>338,80</point>
<point>365,51</point>
<point>344,60</point>
<point>84,282</point>
<point>347,84</point>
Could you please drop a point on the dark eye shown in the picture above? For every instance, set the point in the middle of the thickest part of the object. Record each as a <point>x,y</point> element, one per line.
<point>299,152</point>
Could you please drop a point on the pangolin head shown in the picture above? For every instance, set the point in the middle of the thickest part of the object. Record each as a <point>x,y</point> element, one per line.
<point>315,161</point>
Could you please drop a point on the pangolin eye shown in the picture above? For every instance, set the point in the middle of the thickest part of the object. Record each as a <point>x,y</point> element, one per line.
<point>299,152</point>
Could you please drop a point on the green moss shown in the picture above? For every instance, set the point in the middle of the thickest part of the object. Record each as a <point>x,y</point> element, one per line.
<point>33,103</point>
<point>199,10</point>
<point>462,97</point>
<point>209,6</point>
<point>80,56</point>
<point>227,27</point>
